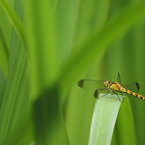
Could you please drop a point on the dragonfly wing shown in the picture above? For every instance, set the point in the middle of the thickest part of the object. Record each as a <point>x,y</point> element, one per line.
<point>90,84</point>
<point>118,78</point>
<point>132,87</point>
<point>96,93</point>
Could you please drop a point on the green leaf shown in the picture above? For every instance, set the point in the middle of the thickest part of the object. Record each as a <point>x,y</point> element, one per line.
<point>17,92</point>
<point>125,127</point>
<point>16,23</point>
<point>23,132</point>
<point>4,51</point>
<point>49,124</point>
<point>103,120</point>
<point>43,52</point>
<point>2,86</point>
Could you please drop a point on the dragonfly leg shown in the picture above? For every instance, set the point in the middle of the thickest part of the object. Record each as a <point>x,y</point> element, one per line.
<point>96,92</point>
<point>122,96</point>
<point>106,93</point>
<point>118,95</point>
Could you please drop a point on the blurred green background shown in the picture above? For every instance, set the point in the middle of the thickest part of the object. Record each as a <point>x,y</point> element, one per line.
<point>46,47</point>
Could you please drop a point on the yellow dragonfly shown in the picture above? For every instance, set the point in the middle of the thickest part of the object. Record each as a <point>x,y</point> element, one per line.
<point>111,87</point>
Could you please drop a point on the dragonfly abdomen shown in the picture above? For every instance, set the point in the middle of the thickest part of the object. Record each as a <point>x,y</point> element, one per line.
<point>132,93</point>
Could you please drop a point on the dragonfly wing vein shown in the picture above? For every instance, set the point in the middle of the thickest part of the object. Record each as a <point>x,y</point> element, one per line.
<point>119,78</point>
<point>96,93</point>
<point>132,87</point>
<point>91,84</point>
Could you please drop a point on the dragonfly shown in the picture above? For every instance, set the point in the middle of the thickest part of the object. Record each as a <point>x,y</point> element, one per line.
<point>111,87</point>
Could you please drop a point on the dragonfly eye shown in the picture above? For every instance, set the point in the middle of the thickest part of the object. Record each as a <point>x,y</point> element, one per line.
<point>107,83</point>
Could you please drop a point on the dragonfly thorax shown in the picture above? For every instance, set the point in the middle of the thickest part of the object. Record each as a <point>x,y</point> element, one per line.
<point>114,86</point>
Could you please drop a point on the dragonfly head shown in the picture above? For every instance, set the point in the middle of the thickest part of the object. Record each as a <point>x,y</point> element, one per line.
<point>107,83</point>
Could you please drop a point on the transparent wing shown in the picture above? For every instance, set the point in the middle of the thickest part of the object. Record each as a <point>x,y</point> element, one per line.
<point>118,78</point>
<point>91,84</point>
<point>98,91</point>
<point>132,87</point>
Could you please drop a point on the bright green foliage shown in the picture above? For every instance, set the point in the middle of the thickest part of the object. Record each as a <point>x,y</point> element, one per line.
<point>103,120</point>
<point>46,47</point>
